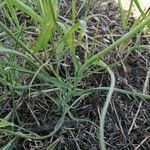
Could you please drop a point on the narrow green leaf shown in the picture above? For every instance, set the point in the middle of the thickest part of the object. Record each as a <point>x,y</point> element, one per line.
<point>54,144</point>
<point>124,20</point>
<point>13,14</point>
<point>69,34</point>
<point>10,51</point>
<point>4,123</point>
<point>139,8</point>
<point>10,144</point>
<point>26,9</point>
<point>43,38</point>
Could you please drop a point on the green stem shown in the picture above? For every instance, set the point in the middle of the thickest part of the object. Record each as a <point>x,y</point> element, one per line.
<point>131,93</point>
<point>4,28</point>
<point>115,44</point>
<point>36,137</point>
<point>105,108</point>
<point>73,10</point>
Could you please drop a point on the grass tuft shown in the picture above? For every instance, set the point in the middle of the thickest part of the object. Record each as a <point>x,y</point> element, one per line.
<point>52,66</point>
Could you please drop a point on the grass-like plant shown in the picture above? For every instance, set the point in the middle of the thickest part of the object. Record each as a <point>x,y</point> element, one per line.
<point>58,36</point>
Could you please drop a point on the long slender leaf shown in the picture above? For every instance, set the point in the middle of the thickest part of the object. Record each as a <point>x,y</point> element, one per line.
<point>26,9</point>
